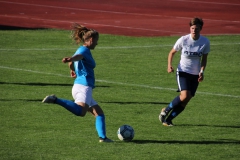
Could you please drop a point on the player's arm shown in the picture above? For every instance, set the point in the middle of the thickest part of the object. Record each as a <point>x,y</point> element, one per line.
<point>71,66</point>
<point>76,57</point>
<point>203,67</point>
<point>170,58</point>
<point>72,69</point>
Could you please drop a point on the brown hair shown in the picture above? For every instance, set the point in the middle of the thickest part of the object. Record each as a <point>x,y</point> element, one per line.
<point>196,21</point>
<point>81,33</point>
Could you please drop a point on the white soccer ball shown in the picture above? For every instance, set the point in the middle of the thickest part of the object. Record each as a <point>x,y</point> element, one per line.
<point>125,133</point>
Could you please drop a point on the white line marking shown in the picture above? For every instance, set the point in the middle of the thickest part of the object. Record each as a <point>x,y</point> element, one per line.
<point>27,70</point>
<point>119,83</point>
<point>36,49</point>
<point>234,4</point>
<point>106,47</point>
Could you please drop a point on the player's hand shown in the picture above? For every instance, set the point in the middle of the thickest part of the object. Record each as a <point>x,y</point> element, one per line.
<point>201,77</point>
<point>73,74</point>
<point>66,59</point>
<point>170,69</point>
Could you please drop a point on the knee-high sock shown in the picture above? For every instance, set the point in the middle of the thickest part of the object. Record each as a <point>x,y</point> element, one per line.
<point>101,126</point>
<point>176,101</point>
<point>70,106</point>
<point>175,112</point>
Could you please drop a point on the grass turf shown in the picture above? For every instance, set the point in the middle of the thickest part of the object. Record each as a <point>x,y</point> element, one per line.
<point>132,86</point>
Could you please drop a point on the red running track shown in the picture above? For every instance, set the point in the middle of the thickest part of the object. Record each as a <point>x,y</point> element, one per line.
<point>124,17</point>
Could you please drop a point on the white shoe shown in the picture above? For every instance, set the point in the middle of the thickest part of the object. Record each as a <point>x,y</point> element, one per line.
<point>168,123</point>
<point>49,99</point>
<point>105,140</point>
<point>162,115</point>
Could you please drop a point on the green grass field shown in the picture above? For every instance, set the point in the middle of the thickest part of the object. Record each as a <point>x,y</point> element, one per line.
<point>132,87</point>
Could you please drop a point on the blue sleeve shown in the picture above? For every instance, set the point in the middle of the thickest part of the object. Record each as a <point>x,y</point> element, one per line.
<point>81,50</point>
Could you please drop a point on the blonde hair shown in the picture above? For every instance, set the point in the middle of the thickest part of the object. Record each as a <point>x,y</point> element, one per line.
<point>80,33</point>
<point>196,21</point>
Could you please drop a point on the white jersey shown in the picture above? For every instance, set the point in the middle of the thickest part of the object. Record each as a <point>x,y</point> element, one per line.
<point>191,52</point>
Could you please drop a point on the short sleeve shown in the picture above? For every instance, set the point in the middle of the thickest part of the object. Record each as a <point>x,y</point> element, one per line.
<point>207,48</point>
<point>81,50</point>
<point>178,45</point>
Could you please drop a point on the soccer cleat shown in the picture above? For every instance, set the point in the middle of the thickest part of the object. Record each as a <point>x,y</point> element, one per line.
<point>162,115</point>
<point>168,123</point>
<point>49,99</point>
<point>105,140</point>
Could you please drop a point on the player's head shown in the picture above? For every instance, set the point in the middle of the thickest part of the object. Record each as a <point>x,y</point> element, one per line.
<point>196,25</point>
<point>87,36</point>
<point>196,21</point>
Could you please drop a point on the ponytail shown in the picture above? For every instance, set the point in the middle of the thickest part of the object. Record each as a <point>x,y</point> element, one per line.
<point>81,33</point>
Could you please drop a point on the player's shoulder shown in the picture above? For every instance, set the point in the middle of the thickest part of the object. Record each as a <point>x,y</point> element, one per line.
<point>82,50</point>
<point>205,39</point>
<point>185,37</point>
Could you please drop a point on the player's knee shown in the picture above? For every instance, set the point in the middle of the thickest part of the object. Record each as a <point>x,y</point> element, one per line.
<point>96,110</point>
<point>185,97</point>
<point>83,108</point>
<point>83,113</point>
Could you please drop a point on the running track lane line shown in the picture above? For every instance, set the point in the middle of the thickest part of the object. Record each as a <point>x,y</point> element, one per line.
<point>113,12</point>
<point>93,24</point>
<point>119,83</point>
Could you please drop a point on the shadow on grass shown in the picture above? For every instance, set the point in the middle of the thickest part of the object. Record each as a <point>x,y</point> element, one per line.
<point>185,142</point>
<point>25,100</point>
<point>205,125</point>
<point>43,84</point>
<point>136,103</point>
<point>36,84</point>
<point>3,27</point>
<point>37,100</point>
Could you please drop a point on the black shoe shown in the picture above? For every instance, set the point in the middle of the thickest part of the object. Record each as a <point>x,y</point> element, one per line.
<point>105,139</point>
<point>49,99</point>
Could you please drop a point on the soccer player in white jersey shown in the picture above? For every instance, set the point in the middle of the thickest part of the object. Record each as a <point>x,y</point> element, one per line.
<point>82,66</point>
<point>194,49</point>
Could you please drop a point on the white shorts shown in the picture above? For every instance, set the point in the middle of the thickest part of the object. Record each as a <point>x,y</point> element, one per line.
<point>83,94</point>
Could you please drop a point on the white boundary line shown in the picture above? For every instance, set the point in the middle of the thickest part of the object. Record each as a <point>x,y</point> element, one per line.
<point>119,83</point>
<point>106,47</point>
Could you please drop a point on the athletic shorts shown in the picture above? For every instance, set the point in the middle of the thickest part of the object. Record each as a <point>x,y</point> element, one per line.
<point>187,81</point>
<point>83,94</point>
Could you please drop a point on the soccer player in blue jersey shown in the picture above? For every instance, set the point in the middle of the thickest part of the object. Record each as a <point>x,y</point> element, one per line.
<point>194,49</point>
<point>82,66</point>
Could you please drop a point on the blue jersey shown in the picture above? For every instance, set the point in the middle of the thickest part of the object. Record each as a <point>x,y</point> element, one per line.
<point>84,68</point>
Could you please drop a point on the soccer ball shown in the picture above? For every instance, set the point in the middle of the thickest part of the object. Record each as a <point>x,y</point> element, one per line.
<point>125,133</point>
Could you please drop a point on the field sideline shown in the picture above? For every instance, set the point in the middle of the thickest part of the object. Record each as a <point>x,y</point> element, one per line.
<point>121,83</point>
<point>109,47</point>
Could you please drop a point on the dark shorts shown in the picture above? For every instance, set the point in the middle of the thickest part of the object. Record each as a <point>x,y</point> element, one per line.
<point>187,81</point>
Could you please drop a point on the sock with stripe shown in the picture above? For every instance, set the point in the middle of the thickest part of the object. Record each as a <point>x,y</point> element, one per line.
<point>175,112</point>
<point>176,101</point>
